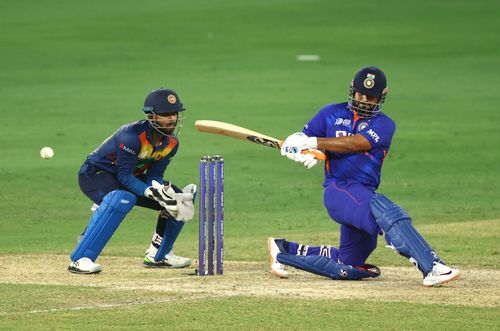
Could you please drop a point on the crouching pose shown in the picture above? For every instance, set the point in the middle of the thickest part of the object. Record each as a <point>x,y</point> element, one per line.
<point>127,170</point>
<point>356,137</point>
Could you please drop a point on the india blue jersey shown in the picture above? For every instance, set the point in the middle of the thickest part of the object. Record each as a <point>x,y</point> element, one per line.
<point>337,120</point>
<point>130,153</point>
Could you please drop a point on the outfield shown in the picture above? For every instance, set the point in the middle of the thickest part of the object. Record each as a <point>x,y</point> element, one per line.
<point>72,73</point>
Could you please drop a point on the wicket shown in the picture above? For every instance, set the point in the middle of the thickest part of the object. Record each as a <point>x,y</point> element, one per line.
<point>208,212</point>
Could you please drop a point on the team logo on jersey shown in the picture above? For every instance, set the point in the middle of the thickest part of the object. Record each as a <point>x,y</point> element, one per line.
<point>362,126</point>
<point>369,81</point>
<point>171,99</point>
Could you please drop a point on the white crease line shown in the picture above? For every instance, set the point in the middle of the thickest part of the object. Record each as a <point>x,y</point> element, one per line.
<point>118,305</point>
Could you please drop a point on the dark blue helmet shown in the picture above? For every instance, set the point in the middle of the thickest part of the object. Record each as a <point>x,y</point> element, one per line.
<point>369,81</point>
<point>164,101</point>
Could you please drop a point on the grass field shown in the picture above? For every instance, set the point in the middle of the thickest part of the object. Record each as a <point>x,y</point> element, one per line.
<point>71,73</point>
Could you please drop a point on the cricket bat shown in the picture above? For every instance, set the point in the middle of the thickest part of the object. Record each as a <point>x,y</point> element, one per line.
<point>239,132</point>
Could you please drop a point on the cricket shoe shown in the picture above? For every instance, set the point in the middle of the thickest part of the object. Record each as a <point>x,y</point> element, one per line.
<point>170,261</point>
<point>371,269</point>
<point>274,247</point>
<point>84,265</point>
<point>440,274</point>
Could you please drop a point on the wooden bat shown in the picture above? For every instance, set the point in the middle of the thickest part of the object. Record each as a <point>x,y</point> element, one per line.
<point>238,132</point>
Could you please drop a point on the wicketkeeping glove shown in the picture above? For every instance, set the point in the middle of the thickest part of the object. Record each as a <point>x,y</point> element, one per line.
<point>165,195</point>
<point>185,203</point>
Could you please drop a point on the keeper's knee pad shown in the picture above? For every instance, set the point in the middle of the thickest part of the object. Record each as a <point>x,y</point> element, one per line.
<point>324,266</point>
<point>400,233</point>
<point>106,219</point>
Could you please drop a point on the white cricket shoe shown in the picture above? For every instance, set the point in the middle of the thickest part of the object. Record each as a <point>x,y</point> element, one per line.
<point>177,261</point>
<point>84,265</point>
<point>273,249</point>
<point>170,261</point>
<point>440,274</point>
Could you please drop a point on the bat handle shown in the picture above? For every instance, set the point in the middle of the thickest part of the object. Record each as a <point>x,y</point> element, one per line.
<point>317,154</point>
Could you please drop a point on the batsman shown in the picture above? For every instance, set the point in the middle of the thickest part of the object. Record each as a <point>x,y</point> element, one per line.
<point>127,169</point>
<point>356,137</point>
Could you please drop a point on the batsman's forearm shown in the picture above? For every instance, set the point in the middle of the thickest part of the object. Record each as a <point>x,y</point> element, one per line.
<point>347,144</point>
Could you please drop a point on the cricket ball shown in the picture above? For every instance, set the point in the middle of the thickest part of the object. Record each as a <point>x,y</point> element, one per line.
<point>46,153</point>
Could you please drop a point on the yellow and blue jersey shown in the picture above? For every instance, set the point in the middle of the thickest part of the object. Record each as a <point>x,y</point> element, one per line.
<point>130,153</point>
<point>336,120</point>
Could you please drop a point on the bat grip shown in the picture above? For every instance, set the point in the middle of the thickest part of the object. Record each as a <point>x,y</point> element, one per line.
<point>317,154</point>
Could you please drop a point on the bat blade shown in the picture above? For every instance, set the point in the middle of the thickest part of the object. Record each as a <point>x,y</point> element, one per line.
<point>238,132</point>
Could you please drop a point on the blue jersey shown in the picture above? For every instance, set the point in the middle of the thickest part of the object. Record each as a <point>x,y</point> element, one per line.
<point>337,120</point>
<point>130,153</point>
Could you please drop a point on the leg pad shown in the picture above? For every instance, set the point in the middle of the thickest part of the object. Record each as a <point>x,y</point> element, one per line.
<point>106,219</point>
<point>325,266</point>
<point>400,233</point>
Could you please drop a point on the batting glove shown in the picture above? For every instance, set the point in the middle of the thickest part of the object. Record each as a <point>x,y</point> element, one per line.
<point>294,144</point>
<point>309,160</point>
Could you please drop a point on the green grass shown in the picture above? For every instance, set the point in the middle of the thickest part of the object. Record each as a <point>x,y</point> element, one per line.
<point>71,73</point>
<point>251,314</point>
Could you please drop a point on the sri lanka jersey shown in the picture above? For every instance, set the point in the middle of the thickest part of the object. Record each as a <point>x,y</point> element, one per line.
<point>337,120</point>
<point>130,152</point>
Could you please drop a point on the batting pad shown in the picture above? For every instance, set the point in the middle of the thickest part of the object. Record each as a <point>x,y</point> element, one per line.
<point>400,233</point>
<point>106,219</point>
<point>172,230</point>
<point>324,266</point>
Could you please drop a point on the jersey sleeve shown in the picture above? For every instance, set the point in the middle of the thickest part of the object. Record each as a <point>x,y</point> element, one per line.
<point>128,150</point>
<point>379,133</point>
<point>158,169</point>
<point>316,127</point>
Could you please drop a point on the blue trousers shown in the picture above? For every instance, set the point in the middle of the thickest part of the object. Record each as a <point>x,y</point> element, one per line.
<point>96,184</point>
<point>348,203</point>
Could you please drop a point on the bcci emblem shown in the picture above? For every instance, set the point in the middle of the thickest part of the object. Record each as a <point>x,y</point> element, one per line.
<point>369,81</point>
<point>362,126</point>
<point>171,99</point>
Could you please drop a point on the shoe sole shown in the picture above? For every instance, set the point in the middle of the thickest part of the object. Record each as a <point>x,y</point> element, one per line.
<point>80,272</point>
<point>181,266</point>
<point>445,281</point>
<point>156,266</point>
<point>170,266</point>
<point>271,260</point>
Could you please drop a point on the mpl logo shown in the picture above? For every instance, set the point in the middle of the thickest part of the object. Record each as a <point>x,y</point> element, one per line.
<point>127,149</point>
<point>374,135</point>
<point>343,121</point>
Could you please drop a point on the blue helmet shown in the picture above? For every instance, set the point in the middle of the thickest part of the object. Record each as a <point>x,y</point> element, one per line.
<point>164,101</point>
<point>370,81</point>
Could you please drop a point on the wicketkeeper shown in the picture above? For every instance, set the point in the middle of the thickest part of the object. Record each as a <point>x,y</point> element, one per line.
<point>126,170</point>
<point>356,137</point>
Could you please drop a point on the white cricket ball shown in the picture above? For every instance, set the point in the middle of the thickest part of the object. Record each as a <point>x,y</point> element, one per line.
<point>46,153</point>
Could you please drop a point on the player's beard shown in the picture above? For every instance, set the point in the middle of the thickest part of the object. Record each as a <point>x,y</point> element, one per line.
<point>169,127</point>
